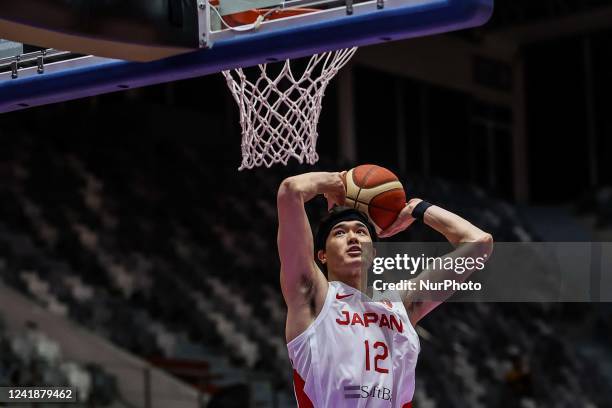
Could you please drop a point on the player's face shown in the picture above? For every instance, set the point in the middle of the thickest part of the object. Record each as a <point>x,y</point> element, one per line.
<point>348,247</point>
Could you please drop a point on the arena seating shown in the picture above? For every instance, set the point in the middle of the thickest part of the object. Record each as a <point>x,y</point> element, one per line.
<point>30,358</point>
<point>599,203</point>
<point>154,241</point>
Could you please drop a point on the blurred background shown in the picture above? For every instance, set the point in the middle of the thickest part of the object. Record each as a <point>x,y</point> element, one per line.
<point>139,266</point>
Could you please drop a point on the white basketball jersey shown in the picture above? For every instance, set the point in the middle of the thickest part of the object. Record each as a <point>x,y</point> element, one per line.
<point>358,352</point>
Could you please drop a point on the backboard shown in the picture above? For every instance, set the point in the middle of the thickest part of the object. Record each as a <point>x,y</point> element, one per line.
<point>180,39</point>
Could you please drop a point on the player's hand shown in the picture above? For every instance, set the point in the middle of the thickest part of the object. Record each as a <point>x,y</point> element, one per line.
<point>403,221</point>
<point>335,189</point>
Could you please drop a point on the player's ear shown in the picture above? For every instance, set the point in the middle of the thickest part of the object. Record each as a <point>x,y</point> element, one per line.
<point>321,256</point>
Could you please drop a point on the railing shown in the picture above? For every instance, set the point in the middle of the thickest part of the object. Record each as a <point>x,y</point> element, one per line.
<point>44,61</point>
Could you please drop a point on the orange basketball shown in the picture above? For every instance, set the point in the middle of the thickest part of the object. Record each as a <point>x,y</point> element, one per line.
<point>377,192</point>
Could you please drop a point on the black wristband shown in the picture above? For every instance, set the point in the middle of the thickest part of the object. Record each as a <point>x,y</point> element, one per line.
<point>418,212</point>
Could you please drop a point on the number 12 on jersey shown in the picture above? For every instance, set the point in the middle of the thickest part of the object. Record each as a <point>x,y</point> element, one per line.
<point>383,353</point>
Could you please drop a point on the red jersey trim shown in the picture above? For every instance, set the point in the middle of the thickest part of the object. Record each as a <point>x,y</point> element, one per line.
<point>298,386</point>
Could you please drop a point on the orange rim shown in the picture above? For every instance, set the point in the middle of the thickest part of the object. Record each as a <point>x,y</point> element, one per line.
<point>249,16</point>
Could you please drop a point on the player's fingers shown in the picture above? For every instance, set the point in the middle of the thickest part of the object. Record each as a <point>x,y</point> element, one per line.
<point>343,176</point>
<point>330,203</point>
<point>389,232</point>
<point>403,221</point>
<point>336,199</point>
<point>338,192</point>
<point>393,228</point>
<point>341,199</point>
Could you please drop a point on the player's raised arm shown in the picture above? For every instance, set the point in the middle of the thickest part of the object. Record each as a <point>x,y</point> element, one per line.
<point>469,241</point>
<point>300,276</point>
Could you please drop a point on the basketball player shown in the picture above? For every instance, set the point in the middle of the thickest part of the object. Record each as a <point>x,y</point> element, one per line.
<point>347,350</point>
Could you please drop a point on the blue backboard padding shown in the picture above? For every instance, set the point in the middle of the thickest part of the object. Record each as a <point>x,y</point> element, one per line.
<point>417,20</point>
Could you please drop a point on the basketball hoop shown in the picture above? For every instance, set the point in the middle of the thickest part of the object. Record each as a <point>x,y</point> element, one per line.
<point>279,112</point>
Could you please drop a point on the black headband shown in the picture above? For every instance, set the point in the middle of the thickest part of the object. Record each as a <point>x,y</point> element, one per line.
<point>336,216</point>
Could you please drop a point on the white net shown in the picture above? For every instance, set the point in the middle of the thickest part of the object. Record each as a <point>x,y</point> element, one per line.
<point>279,113</point>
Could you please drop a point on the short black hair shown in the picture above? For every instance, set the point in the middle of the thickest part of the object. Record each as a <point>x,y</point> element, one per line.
<point>336,216</point>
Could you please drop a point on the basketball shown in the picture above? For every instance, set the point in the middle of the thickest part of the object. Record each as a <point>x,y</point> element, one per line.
<point>377,192</point>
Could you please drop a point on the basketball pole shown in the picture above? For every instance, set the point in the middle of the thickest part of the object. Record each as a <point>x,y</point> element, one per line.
<point>519,132</point>
<point>400,125</point>
<point>589,103</point>
<point>347,140</point>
